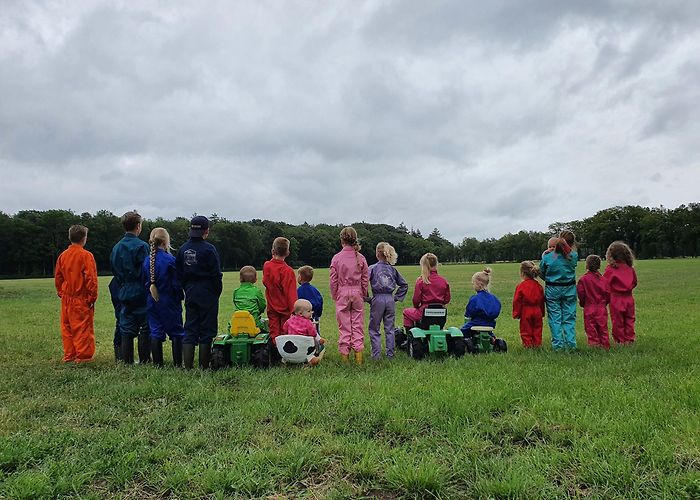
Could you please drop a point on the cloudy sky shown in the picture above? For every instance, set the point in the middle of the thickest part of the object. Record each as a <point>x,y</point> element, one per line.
<point>479,118</point>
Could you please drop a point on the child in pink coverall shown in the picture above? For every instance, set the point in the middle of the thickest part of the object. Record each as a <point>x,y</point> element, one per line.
<point>594,297</point>
<point>431,288</point>
<point>621,279</point>
<point>349,279</point>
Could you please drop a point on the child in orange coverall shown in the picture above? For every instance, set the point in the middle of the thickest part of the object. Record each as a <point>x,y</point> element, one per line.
<point>76,284</point>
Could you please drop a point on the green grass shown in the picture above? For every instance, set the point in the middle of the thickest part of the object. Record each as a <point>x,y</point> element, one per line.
<point>526,424</point>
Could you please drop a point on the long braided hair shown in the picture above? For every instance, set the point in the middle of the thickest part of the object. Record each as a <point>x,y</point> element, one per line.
<point>348,236</point>
<point>159,237</point>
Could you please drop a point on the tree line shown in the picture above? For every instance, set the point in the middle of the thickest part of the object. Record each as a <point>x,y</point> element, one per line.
<point>31,240</point>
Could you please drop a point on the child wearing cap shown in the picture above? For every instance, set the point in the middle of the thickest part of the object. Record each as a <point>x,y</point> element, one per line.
<point>249,297</point>
<point>199,271</point>
<point>127,261</point>
<point>280,287</point>
<point>76,285</point>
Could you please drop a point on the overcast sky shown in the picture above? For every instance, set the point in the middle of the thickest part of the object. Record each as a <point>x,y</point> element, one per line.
<point>479,118</point>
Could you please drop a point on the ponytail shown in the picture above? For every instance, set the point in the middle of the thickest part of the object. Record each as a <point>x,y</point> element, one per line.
<point>152,267</point>
<point>348,236</point>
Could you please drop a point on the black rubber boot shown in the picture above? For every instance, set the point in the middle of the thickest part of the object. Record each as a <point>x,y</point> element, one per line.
<point>127,350</point>
<point>177,351</point>
<point>157,352</point>
<point>117,353</point>
<point>188,355</point>
<point>204,356</point>
<point>144,343</point>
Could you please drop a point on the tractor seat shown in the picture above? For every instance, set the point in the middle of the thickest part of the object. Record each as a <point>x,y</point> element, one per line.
<point>242,322</point>
<point>482,328</point>
<point>433,314</point>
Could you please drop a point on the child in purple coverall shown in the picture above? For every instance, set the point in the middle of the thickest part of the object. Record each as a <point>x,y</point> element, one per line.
<point>384,280</point>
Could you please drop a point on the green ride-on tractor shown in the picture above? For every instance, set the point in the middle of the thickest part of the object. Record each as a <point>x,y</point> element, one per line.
<point>430,335</point>
<point>481,339</point>
<point>244,344</point>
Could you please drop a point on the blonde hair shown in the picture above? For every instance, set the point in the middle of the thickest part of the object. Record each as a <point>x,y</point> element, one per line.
<point>619,251</point>
<point>302,305</point>
<point>248,274</point>
<point>348,236</point>
<point>529,269</point>
<point>427,262</point>
<point>387,252</point>
<point>280,246</point>
<point>159,237</point>
<point>482,280</point>
<point>306,273</point>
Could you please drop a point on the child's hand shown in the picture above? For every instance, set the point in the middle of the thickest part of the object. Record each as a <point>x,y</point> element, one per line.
<point>322,341</point>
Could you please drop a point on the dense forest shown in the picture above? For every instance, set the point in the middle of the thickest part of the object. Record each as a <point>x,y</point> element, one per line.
<point>31,240</point>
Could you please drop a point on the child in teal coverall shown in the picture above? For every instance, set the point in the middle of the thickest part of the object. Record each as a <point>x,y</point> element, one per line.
<point>558,269</point>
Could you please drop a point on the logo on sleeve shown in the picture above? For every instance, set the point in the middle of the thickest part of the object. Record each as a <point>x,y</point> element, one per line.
<point>190,257</point>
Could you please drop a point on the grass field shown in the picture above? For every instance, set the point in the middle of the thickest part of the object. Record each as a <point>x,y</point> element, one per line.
<point>624,423</point>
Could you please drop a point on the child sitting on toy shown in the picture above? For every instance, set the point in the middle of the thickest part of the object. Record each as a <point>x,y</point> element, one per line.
<point>249,297</point>
<point>300,324</point>
<point>309,292</point>
<point>483,307</point>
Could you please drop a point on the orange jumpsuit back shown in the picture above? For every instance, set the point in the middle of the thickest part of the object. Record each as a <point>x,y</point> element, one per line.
<point>76,284</point>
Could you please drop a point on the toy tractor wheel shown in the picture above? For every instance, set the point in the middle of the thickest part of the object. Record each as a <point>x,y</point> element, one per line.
<point>400,339</point>
<point>220,357</point>
<point>470,346</point>
<point>416,349</point>
<point>459,347</point>
<point>260,355</point>
<point>500,346</point>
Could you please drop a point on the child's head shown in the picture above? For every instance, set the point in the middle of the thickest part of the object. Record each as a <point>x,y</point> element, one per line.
<point>305,274</point>
<point>569,237</point>
<point>248,274</point>
<point>593,263</point>
<point>159,237</point>
<point>552,243</point>
<point>428,262</point>
<point>386,252</point>
<point>199,227</point>
<point>303,307</point>
<point>131,222</point>
<point>348,236</point>
<point>482,280</point>
<point>619,251</point>
<point>528,269</point>
<point>77,234</point>
<point>280,247</point>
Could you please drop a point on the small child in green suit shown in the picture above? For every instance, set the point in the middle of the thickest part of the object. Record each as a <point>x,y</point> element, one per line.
<point>249,297</point>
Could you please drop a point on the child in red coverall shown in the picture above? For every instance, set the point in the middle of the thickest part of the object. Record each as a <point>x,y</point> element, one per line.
<point>621,279</point>
<point>528,305</point>
<point>594,297</point>
<point>280,287</point>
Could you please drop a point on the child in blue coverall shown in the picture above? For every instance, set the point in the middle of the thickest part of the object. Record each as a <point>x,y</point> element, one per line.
<point>127,260</point>
<point>164,301</point>
<point>483,308</point>
<point>309,292</point>
<point>199,271</point>
<point>558,269</point>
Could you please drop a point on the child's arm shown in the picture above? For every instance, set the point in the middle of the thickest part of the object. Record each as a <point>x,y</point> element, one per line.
<point>59,278</point>
<point>262,303</point>
<point>581,292</point>
<point>333,278</point>
<point>634,278</point>
<point>448,294</point>
<point>364,279</point>
<point>403,287</point>
<point>318,307</point>
<point>517,303</point>
<point>91,279</point>
<point>418,294</point>
<point>289,285</point>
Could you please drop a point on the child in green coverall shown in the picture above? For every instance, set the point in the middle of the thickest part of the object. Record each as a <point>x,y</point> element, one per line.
<point>249,297</point>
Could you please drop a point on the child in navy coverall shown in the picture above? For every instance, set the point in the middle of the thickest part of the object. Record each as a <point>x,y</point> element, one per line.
<point>199,272</point>
<point>309,292</point>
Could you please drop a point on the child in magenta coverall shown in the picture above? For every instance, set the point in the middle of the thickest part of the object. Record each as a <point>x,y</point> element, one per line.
<point>349,280</point>
<point>528,305</point>
<point>594,298</point>
<point>621,279</point>
<point>384,280</point>
<point>431,288</point>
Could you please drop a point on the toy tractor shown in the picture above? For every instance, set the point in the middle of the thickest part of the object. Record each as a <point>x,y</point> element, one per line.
<point>483,340</point>
<point>430,335</point>
<point>244,344</point>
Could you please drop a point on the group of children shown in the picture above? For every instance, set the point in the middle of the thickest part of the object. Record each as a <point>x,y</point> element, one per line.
<point>150,284</point>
